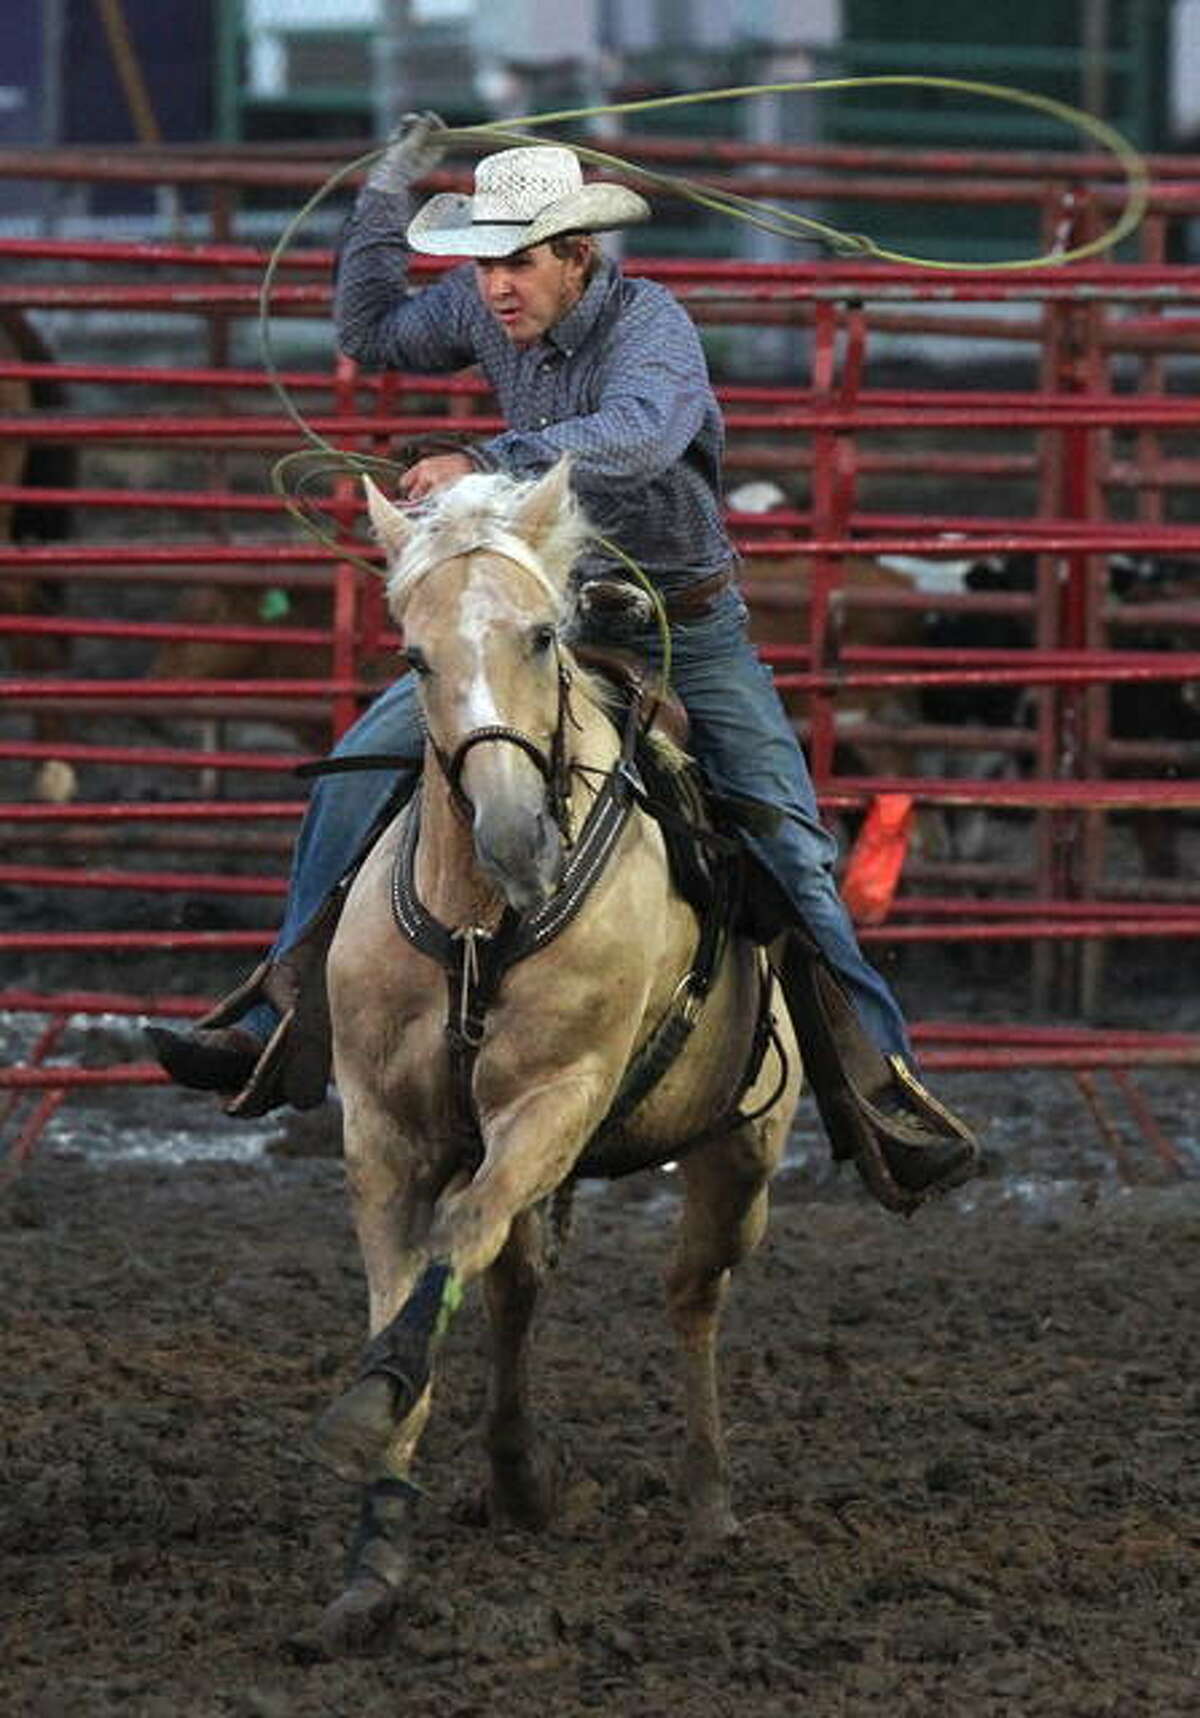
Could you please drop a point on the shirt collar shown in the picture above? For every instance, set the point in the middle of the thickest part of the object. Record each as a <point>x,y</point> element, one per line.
<point>572,330</point>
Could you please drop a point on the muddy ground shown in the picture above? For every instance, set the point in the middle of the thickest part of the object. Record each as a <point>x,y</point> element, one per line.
<point>963,1449</point>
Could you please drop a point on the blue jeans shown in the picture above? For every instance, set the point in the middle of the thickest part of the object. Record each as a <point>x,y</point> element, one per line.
<point>741,735</point>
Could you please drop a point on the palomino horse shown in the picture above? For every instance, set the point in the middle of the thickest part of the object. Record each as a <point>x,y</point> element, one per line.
<point>475,1090</point>
<point>44,652</point>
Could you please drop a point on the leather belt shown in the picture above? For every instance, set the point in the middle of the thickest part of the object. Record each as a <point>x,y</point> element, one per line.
<point>697,599</point>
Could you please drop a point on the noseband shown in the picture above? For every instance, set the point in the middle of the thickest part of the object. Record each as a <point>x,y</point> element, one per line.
<point>551,766</point>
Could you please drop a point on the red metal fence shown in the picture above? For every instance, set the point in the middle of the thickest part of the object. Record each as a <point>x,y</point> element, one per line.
<point>1088,447</point>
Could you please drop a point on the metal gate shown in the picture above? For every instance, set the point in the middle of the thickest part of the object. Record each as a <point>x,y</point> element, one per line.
<point>1090,452</point>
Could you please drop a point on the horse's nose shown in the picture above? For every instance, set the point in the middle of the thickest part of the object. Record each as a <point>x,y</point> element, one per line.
<point>522,854</point>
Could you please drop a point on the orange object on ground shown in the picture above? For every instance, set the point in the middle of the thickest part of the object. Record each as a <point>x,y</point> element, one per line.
<point>877,858</point>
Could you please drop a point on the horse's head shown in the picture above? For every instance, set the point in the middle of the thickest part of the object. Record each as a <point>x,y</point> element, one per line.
<point>477,579</point>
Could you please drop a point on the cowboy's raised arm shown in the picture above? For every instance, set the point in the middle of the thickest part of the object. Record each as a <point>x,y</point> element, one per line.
<point>376,322</point>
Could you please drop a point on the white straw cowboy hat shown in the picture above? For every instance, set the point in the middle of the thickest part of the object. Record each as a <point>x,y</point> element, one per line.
<point>522,197</point>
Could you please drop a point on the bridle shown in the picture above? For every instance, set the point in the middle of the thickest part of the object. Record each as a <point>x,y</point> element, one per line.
<point>552,765</point>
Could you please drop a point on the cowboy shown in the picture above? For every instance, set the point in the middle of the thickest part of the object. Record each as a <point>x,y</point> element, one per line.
<point>608,369</point>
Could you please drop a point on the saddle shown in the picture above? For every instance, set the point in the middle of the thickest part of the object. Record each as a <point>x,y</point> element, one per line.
<point>659,707</point>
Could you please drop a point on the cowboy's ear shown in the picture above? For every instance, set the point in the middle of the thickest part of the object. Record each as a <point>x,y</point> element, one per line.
<point>392,530</point>
<point>548,510</point>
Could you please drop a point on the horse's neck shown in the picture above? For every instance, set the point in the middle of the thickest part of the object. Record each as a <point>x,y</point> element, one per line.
<point>593,739</point>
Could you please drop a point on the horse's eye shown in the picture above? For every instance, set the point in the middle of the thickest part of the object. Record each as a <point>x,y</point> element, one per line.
<point>542,638</point>
<point>417,660</point>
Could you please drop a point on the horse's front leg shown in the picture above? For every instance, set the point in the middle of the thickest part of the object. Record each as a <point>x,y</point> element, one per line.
<point>368,1434</point>
<point>392,1194</point>
<point>530,1146</point>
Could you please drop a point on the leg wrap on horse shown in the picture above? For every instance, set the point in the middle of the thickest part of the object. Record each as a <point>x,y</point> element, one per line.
<point>354,1433</point>
<point>905,1144</point>
<point>379,1548</point>
<point>402,1350</point>
<point>360,1619</point>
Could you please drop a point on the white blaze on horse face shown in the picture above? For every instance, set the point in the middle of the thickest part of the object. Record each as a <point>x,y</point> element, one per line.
<point>488,617</point>
<point>516,839</point>
<point>480,611</point>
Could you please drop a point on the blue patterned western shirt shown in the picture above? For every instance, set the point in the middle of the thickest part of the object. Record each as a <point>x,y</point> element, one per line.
<point>620,383</point>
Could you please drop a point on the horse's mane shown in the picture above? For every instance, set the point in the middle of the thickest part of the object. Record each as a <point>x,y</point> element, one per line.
<point>485,508</point>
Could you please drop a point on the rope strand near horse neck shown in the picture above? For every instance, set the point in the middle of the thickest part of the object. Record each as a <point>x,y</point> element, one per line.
<point>301,468</point>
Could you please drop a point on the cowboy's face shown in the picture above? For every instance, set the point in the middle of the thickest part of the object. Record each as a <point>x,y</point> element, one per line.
<point>529,292</point>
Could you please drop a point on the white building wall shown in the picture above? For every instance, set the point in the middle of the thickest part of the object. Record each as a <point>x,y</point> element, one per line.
<point>534,32</point>
<point>639,25</point>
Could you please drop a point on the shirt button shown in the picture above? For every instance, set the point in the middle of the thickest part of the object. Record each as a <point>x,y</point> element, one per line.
<point>542,422</point>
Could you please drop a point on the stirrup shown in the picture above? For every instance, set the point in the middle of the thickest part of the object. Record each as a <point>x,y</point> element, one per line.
<point>918,1117</point>
<point>279,1078</point>
<point>906,1145</point>
<point>294,1065</point>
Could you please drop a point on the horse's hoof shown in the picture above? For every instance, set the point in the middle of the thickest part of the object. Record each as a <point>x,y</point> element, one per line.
<point>531,1509</point>
<point>522,1493</point>
<point>358,1621</point>
<point>353,1434</point>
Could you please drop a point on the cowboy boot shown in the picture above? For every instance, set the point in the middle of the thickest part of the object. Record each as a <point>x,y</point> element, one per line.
<point>207,1059</point>
<point>221,1055</point>
<point>905,1143</point>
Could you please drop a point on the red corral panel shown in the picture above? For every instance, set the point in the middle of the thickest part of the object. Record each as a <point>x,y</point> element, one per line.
<point>965,502</point>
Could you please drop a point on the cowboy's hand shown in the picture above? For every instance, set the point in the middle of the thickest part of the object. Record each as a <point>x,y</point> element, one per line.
<point>432,473</point>
<point>618,599</point>
<point>414,149</point>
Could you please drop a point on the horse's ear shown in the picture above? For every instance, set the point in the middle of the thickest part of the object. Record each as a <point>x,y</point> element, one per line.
<point>391,528</point>
<point>548,506</point>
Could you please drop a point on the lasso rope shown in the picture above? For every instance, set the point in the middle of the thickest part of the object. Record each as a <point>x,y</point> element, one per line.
<point>295,472</point>
<point>784,221</point>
